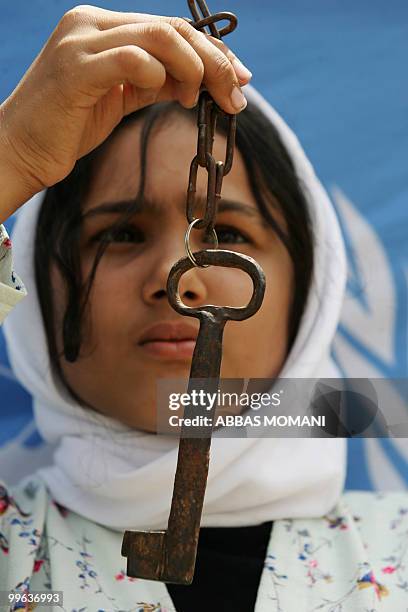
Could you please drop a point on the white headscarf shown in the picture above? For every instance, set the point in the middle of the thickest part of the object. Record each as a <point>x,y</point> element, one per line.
<point>123,478</point>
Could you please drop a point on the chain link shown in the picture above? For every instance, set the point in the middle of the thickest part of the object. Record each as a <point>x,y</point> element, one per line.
<point>208,113</point>
<point>187,244</point>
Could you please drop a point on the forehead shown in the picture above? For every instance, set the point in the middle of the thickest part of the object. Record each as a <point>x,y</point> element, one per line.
<point>171,147</point>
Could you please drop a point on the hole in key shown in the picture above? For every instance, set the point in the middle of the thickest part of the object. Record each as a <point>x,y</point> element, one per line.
<point>216,285</point>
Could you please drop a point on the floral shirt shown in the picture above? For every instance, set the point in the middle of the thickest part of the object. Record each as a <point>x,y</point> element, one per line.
<point>12,289</point>
<point>355,559</point>
<point>352,560</point>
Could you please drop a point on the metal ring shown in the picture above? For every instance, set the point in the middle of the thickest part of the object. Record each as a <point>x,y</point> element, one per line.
<point>187,244</point>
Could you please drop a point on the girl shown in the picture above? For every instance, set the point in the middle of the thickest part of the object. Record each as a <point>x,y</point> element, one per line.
<point>99,137</point>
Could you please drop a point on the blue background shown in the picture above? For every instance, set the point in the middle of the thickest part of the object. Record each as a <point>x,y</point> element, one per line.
<point>337,72</point>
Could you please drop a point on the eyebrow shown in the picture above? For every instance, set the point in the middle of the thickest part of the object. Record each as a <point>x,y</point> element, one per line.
<point>143,205</point>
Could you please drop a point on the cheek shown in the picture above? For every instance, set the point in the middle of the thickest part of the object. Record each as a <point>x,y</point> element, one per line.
<point>114,301</point>
<point>258,345</point>
<point>227,286</point>
<point>233,287</point>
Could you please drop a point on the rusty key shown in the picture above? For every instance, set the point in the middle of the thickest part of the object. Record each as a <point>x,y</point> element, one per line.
<point>169,556</point>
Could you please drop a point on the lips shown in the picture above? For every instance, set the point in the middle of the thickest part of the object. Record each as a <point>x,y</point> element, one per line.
<point>170,341</point>
<point>168,332</point>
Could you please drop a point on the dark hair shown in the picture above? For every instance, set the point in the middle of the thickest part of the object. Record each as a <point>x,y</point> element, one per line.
<point>273,181</point>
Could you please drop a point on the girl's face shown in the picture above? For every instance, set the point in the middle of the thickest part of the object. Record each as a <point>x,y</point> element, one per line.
<point>116,372</point>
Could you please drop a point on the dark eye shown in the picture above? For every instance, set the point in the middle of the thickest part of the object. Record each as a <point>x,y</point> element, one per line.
<point>228,234</point>
<point>127,233</point>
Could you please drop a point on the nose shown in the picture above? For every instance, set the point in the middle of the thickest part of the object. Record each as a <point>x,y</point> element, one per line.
<point>192,286</point>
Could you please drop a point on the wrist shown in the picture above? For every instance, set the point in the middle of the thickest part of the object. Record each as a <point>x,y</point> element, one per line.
<point>16,187</point>
<point>16,184</point>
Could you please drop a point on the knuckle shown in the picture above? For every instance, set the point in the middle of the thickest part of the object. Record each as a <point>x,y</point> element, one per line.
<point>222,68</point>
<point>76,15</point>
<point>182,26</point>
<point>160,31</point>
<point>65,47</point>
<point>124,57</point>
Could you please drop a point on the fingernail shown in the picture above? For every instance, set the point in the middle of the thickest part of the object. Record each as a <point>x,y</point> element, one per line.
<point>238,99</point>
<point>241,71</point>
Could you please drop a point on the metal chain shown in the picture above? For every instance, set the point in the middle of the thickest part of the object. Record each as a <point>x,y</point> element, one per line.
<point>208,112</point>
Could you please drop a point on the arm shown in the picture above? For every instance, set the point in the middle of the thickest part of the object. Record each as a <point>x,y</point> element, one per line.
<point>96,67</point>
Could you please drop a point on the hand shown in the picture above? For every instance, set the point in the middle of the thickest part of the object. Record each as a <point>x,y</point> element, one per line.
<point>96,67</point>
